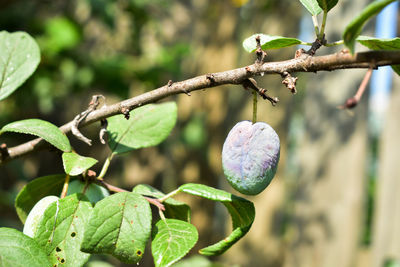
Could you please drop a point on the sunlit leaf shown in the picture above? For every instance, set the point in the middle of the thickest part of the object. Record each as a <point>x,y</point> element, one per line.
<point>61,230</point>
<point>312,6</point>
<point>41,128</point>
<point>19,250</point>
<point>268,42</point>
<point>147,126</point>
<point>75,164</point>
<point>241,210</point>
<point>119,225</point>
<point>172,239</point>
<point>19,58</point>
<point>353,29</point>
<point>35,190</point>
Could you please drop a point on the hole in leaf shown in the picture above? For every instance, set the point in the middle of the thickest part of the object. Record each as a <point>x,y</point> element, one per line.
<point>73,234</point>
<point>62,260</point>
<point>139,253</point>
<point>58,249</point>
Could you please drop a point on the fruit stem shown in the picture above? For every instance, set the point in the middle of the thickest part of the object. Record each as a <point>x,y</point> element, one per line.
<point>254,107</point>
<point>105,167</point>
<point>65,187</point>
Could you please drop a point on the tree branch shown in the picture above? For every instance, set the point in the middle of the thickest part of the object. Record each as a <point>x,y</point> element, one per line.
<point>302,63</point>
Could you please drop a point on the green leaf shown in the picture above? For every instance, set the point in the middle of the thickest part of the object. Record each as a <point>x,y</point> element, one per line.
<point>148,126</point>
<point>75,164</point>
<point>312,6</point>
<point>119,225</point>
<point>61,230</point>
<point>174,209</point>
<point>327,5</point>
<point>35,190</point>
<point>41,128</point>
<point>196,260</point>
<point>171,240</point>
<point>19,250</point>
<point>381,44</point>
<point>353,29</point>
<point>241,210</point>
<point>268,42</point>
<point>20,56</point>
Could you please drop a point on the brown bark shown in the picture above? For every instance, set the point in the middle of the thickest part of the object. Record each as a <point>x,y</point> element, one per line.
<point>303,63</point>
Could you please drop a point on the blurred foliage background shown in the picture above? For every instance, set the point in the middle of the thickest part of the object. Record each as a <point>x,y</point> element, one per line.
<point>319,209</point>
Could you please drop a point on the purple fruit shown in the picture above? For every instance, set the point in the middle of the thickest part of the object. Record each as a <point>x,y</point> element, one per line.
<point>250,156</point>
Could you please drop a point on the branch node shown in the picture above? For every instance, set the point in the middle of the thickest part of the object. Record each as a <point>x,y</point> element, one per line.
<point>289,82</point>
<point>210,77</point>
<point>316,45</point>
<point>299,52</point>
<point>91,175</point>
<point>93,104</point>
<point>261,54</point>
<point>125,111</point>
<point>248,70</point>
<point>170,82</point>
<point>345,51</point>
<point>4,152</point>
<point>250,83</point>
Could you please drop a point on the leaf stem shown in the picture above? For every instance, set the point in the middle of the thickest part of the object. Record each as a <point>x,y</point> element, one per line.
<point>340,42</point>
<point>305,43</point>
<point>170,194</point>
<point>65,187</point>
<point>322,32</point>
<point>161,214</point>
<point>254,107</point>
<point>315,22</point>
<point>105,167</point>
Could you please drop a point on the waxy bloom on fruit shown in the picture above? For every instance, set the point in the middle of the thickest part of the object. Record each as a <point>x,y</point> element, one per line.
<point>250,156</point>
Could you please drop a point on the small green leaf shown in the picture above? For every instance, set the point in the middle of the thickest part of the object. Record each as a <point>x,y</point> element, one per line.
<point>268,42</point>
<point>241,210</point>
<point>327,5</point>
<point>119,225</point>
<point>381,44</point>
<point>19,250</point>
<point>35,190</point>
<point>41,128</point>
<point>75,164</point>
<point>171,240</point>
<point>60,232</point>
<point>353,29</point>
<point>174,209</point>
<point>20,56</point>
<point>312,6</point>
<point>148,126</point>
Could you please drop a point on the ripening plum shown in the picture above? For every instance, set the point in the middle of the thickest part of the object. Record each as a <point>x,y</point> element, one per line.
<point>250,156</point>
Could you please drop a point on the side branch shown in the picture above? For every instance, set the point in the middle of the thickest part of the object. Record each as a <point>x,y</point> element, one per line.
<point>302,63</point>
